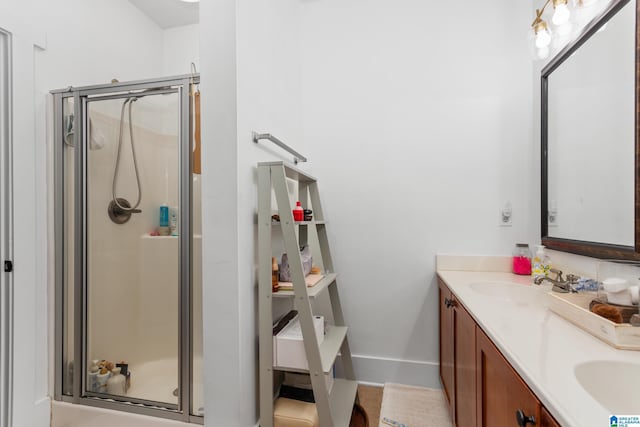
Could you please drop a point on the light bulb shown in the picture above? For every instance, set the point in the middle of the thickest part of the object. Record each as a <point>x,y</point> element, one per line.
<point>561,14</point>
<point>543,38</point>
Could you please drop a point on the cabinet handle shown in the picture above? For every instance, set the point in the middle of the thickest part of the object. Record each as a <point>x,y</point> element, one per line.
<point>523,420</point>
<point>449,303</point>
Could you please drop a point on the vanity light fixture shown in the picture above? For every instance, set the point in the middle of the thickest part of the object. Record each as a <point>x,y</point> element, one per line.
<point>567,14</point>
<point>541,35</point>
<point>561,14</point>
<point>562,24</point>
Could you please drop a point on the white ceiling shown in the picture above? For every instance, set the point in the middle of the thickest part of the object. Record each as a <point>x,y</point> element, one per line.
<point>169,13</point>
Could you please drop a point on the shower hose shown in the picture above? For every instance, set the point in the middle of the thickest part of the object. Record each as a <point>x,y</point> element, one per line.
<point>130,102</point>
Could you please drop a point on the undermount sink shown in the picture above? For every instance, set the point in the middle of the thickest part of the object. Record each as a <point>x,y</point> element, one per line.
<point>615,385</point>
<point>512,292</point>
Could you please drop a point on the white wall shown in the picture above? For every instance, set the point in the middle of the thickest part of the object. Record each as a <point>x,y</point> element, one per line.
<point>419,131</point>
<point>417,122</point>
<point>180,47</point>
<point>250,62</point>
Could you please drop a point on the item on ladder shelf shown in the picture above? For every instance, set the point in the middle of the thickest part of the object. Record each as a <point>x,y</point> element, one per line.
<point>311,280</point>
<point>298,213</point>
<point>274,275</point>
<point>290,412</point>
<point>308,214</point>
<point>289,347</point>
<point>307,263</point>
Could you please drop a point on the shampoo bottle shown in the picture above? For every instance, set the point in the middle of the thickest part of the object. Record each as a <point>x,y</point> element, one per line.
<point>541,263</point>
<point>164,215</point>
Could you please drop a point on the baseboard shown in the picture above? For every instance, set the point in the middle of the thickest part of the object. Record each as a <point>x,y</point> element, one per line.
<point>380,370</point>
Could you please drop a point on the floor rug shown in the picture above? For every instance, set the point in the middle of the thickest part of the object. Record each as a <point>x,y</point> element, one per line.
<point>414,406</point>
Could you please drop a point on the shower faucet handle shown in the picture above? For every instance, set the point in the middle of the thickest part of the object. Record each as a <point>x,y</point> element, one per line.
<point>120,211</point>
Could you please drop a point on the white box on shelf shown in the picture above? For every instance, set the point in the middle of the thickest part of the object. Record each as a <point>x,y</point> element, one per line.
<point>289,347</point>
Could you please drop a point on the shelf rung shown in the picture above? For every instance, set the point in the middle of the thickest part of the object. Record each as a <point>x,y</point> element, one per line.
<point>312,291</point>
<point>303,223</point>
<point>343,395</point>
<point>330,347</point>
<point>291,172</point>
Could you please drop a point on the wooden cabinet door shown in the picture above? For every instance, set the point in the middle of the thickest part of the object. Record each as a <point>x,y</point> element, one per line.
<point>500,391</point>
<point>446,344</point>
<point>464,366</point>
<point>546,420</point>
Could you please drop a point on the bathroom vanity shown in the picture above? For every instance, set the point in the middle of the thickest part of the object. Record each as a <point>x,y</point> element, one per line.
<point>506,359</point>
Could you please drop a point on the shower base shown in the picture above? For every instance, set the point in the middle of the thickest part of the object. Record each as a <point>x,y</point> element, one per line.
<point>69,415</point>
<point>153,380</point>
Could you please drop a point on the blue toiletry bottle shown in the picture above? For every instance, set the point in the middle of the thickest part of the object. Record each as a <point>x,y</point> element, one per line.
<point>164,215</point>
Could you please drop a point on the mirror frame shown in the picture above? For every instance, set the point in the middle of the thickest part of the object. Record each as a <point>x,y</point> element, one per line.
<point>580,247</point>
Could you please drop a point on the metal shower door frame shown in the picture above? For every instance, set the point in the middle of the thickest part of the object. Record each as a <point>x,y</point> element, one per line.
<point>6,232</point>
<point>82,96</point>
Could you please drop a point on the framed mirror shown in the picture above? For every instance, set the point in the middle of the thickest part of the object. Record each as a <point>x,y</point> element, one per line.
<point>590,140</point>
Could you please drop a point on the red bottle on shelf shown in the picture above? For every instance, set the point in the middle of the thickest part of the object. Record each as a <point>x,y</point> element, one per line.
<point>298,212</point>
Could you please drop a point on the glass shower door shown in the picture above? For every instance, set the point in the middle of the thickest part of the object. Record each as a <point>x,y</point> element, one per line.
<point>132,149</point>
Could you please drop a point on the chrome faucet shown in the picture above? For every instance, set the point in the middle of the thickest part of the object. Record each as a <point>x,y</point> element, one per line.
<point>559,283</point>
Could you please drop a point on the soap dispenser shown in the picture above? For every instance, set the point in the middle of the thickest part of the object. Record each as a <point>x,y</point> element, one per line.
<point>541,263</point>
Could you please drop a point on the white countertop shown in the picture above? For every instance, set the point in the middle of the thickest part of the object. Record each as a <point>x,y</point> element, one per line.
<point>541,346</point>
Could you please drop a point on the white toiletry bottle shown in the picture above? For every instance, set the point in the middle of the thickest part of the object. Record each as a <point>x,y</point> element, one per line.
<point>541,263</point>
<point>173,220</point>
<point>116,384</point>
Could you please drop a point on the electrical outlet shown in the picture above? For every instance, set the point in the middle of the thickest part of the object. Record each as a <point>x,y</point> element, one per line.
<point>552,214</point>
<point>506,215</point>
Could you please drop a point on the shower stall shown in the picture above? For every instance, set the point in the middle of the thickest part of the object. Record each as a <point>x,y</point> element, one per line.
<point>128,247</point>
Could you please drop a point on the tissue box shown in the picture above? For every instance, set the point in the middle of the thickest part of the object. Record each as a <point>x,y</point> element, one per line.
<point>288,346</point>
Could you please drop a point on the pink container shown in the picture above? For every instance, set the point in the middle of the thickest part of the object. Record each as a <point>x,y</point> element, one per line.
<point>522,259</point>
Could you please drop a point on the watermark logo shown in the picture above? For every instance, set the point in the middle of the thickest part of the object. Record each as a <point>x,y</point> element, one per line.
<point>624,421</point>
